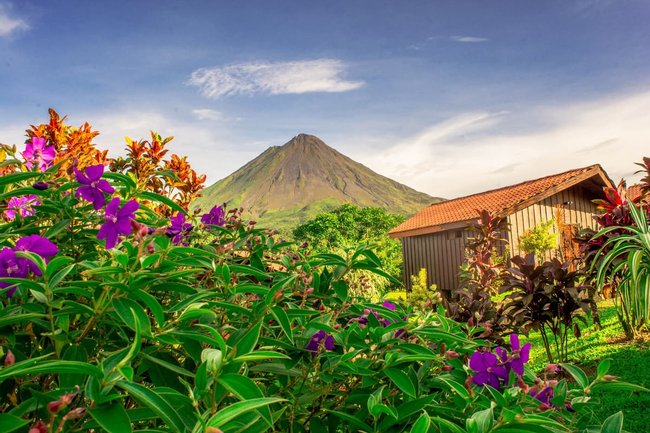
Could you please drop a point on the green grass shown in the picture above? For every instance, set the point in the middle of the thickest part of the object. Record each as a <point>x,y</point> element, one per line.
<point>630,361</point>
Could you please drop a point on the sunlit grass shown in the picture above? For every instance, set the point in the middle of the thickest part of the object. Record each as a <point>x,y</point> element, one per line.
<point>630,361</point>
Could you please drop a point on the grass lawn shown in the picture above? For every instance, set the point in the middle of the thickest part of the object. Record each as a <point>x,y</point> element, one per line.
<point>630,361</point>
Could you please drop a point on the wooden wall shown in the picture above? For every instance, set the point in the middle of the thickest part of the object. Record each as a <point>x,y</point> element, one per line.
<point>578,210</point>
<point>442,253</point>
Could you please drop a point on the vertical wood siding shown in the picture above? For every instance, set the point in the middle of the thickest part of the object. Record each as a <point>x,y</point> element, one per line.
<point>578,211</point>
<point>441,254</point>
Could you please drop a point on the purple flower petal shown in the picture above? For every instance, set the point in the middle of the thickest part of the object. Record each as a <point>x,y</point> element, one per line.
<point>514,342</point>
<point>525,353</point>
<point>95,172</point>
<point>389,305</point>
<point>39,245</point>
<point>481,378</point>
<point>477,362</point>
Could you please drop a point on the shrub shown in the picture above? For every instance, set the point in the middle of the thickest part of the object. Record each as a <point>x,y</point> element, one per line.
<point>117,318</point>
<point>480,274</point>
<point>422,297</point>
<point>547,297</point>
<point>539,240</point>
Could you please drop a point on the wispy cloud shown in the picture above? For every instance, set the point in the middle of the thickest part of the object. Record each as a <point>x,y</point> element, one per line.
<point>468,39</point>
<point>207,114</point>
<point>304,76</point>
<point>474,152</point>
<point>9,24</point>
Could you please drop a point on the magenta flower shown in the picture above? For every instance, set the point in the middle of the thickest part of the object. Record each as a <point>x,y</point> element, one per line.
<point>118,221</point>
<point>318,339</point>
<point>38,245</point>
<point>93,186</point>
<point>11,267</point>
<point>488,369</point>
<point>544,395</point>
<point>179,230</point>
<point>216,217</point>
<point>519,355</point>
<point>38,153</point>
<point>23,206</point>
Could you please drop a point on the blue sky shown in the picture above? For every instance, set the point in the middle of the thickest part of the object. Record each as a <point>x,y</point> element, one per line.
<point>449,97</point>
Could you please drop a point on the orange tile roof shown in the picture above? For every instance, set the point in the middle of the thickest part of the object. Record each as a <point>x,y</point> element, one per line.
<point>502,201</point>
<point>634,191</point>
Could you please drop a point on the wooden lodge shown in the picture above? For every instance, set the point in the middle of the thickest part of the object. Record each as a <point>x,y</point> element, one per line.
<point>435,237</point>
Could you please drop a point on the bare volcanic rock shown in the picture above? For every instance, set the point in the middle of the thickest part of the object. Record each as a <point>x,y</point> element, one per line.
<point>287,185</point>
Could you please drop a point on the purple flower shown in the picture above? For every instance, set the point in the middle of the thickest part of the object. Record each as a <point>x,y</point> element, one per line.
<point>318,338</point>
<point>41,186</point>
<point>23,206</point>
<point>389,305</point>
<point>544,395</point>
<point>38,153</point>
<point>11,267</point>
<point>118,221</point>
<point>488,369</point>
<point>519,355</point>
<point>94,187</point>
<point>38,245</point>
<point>179,230</point>
<point>216,217</point>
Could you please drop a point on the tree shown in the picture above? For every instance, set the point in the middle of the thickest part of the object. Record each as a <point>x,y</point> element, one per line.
<point>350,225</point>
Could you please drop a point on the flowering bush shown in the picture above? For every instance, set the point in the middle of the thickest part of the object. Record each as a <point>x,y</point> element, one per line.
<point>115,318</point>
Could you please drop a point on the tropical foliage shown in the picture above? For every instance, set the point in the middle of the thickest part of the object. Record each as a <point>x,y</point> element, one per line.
<point>539,240</point>
<point>118,316</point>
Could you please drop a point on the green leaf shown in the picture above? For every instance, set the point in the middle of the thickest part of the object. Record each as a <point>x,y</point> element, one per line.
<point>261,355</point>
<point>234,410</point>
<point>402,380</point>
<point>112,418</point>
<point>613,424</point>
<point>352,420</point>
<point>78,353</point>
<point>422,424</point>
<point>249,340</point>
<point>449,426</point>
<point>281,317</point>
<point>155,402</point>
<point>10,423</point>
<point>580,377</point>
<point>168,365</point>
<point>244,389</point>
<point>147,195</point>
<point>50,367</point>
<point>129,311</point>
<point>603,368</point>
<point>481,421</point>
<point>17,177</point>
<point>135,347</point>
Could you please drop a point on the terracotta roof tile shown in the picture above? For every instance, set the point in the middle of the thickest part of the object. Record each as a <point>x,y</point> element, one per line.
<point>634,191</point>
<point>439,216</point>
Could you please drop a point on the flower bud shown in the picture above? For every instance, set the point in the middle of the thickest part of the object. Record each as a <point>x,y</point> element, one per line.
<point>213,430</point>
<point>608,377</point>
<point>447,367</point>
<point>39,427</point>
<point>41,186</point>
<point>552,368</point>
<point>450,354</point>
<point>76,413</point>
<point>54,406</point>
<point>9,359</point>
<point>309,290</point>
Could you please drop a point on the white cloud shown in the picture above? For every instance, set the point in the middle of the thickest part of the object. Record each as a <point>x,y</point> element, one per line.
<point>473,152</point>
<point>9,24</point>
<point>207,114</point>
<point>304,76</point>
<point>468,39</point>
